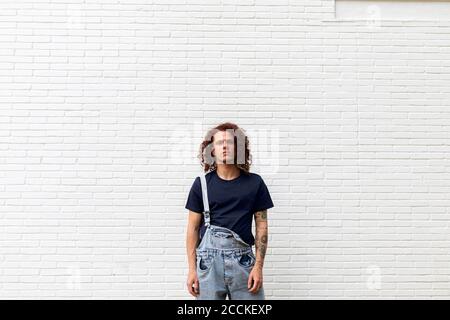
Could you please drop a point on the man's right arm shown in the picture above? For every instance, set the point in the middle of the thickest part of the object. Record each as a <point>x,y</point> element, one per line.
<point>192,238</point>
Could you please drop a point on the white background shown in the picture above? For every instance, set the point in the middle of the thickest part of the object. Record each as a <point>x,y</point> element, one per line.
<point>103,106</point>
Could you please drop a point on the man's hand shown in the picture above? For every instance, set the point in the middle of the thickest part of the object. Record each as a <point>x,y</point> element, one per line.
<point>255,279</point>
<point>192,283</point>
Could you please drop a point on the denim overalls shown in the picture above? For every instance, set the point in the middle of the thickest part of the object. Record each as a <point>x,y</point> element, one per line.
<point>224,261</point>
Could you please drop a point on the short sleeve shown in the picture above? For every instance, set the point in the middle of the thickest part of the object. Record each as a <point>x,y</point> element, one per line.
<point>195,201</point>
<point>263,200</point>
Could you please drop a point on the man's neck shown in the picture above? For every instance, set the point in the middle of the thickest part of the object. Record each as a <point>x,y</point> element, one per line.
<point>227,171</point>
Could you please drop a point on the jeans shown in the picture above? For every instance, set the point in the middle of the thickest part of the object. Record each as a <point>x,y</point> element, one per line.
<point>224,263</point>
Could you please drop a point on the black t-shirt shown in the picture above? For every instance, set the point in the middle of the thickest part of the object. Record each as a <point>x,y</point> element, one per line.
<point>232,203</point>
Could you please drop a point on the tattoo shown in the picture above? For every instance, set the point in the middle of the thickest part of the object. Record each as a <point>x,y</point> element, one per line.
<point>262,247</point>
<point>264,239</point>
<point>262,215</point>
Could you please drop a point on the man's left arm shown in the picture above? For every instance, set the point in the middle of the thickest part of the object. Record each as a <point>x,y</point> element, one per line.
<point>256,275</point>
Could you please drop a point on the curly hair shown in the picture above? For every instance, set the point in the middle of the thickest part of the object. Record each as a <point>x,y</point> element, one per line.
<point>240,139</point>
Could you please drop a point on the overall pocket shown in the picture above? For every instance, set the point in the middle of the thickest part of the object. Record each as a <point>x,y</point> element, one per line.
<point>246,260</point>
<point>204,262</point>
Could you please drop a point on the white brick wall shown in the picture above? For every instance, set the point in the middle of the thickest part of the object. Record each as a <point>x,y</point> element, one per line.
<point>103,104</point>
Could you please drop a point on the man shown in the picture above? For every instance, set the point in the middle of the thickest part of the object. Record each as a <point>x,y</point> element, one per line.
<point>219,241</point>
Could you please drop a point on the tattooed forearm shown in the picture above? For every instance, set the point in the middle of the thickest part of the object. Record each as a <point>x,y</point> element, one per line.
<point>262,245</point>
<point>261,236</point>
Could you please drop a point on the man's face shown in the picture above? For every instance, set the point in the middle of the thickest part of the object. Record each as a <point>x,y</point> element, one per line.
<point>223,146</point>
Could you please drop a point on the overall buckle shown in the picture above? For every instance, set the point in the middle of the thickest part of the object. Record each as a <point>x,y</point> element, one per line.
<point>206,213</point>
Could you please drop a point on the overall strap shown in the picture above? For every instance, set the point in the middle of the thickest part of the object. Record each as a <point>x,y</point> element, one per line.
<point>205,199</point>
